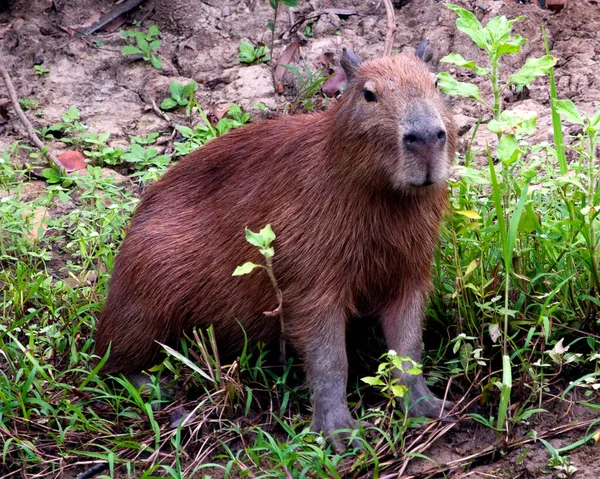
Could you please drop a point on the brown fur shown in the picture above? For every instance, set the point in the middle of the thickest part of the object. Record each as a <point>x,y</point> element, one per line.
<point>353,237</point>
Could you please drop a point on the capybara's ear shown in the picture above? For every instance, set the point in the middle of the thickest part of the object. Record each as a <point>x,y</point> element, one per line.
<point>350,63</point>
<point>424,51</point>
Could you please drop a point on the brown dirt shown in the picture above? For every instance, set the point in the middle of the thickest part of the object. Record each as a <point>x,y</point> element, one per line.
<point>114,93</point>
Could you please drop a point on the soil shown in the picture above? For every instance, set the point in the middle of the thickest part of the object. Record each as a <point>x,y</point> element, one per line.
<point>114,94</point>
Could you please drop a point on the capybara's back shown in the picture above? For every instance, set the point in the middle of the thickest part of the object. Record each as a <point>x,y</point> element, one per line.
<point>355,196</point>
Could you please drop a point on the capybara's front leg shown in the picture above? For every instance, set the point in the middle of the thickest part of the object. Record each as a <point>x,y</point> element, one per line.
<point>326,363</point>
<point>402,324</point>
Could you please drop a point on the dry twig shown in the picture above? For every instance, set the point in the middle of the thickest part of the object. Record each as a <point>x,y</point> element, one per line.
<point>391,27</point>
<point>21,114</point>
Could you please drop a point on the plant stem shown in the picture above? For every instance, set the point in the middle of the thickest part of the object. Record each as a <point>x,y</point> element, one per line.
<point>496,88</point>
<point>282,341</point>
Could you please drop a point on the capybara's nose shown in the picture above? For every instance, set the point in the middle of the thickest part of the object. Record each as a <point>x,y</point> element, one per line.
<point>424,137</point>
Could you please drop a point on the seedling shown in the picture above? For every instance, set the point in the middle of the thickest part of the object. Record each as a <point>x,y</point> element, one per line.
<point>40,70</point>
<point>263,240</point>
<point>252,55</point>
<point>389,383</point>
<point>200,134</point>
<point>28,103</point>
<point>180,96</point>
<point>146,45</point>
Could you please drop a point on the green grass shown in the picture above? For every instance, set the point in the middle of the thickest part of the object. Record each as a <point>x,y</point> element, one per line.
<point>515,283</point>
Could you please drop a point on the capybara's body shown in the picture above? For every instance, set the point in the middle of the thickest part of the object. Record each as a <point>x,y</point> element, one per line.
<point>355,196</point>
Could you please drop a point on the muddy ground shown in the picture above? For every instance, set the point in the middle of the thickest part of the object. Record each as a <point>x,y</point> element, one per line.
<point>200,39</point>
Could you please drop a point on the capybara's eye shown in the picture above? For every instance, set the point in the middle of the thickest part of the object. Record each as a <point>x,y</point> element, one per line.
<point>436,82</point>
<point>369,95</point>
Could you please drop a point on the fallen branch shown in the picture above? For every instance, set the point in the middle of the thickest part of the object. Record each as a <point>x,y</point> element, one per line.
<point>391,27</point>
<point>21,114</point>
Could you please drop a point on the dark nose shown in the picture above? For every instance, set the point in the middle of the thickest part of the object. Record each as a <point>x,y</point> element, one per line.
<point>423,139</point>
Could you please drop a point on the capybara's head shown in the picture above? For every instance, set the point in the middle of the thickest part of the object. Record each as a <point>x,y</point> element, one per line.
<point>392,112</point>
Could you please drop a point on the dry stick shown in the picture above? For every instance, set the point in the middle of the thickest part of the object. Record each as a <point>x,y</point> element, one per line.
<point>30,131</point>
<point>391,27</point>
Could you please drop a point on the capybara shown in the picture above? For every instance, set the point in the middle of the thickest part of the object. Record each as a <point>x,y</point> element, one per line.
<point>355,195</point>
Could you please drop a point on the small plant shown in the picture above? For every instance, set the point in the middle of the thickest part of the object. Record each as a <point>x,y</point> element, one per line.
<point>308,84</point>
<point>146,45</point>
<point>150,165</point>
<point>70,125</point>
<point>40,70</point>
<point>200,134</point>
<point>180,96</point>
<point>149,139</point>
<point>252,55</point>
<point>263,240</point>
<point>388,381</point>
<point>28,103</point>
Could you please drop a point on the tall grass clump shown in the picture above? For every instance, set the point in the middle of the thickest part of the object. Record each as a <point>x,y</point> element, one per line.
<point>517,268</point>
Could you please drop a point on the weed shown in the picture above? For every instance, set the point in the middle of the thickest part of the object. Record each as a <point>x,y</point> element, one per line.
<point>180,96</point>
<point>200,134</point>
<point>39,70</point>
<point>252,55</point>
<point>146,45</point>
<point>308,84</point>
<point>28,103</point>
<point>495,40</point>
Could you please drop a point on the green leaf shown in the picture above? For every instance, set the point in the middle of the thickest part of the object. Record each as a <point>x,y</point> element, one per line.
<point>290,3</point>
<point>267,252</point>
<point>273,3</point>
<point>168,104</point>
<point>156,63</point>
<point>52,175</point>
<point>176,90</point>
<point>372,381</point>
<point>267,235</point>
<point>458,60</point>
<point>190,364</point>
<point>189,89</point>
<point>512,46</point>
<point>498,28</point>
<point>514,122</point>
<point>468,23</point>
<point>507,150</point>
<point>142,43</point>
<point>398,390</point>
<point>533,68</point>
<point>247,53</point>
<point>153,31</point>
<point>255,239</point>
<point>130,50</point>
<point>71,114</point>
<point>568,110</point>
<point>450,86</point>
<point>186,131</point>
<point>154,45</point>
<point>246,268</point>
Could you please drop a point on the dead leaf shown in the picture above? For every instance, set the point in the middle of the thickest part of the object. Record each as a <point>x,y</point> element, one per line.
<point>82,26</point>
<point>289,55</point>
<point>72,160</point>
<point>336,83</point>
